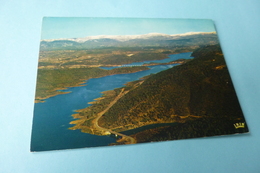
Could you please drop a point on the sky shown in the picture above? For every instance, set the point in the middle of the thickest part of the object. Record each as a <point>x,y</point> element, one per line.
<point>79,27</point>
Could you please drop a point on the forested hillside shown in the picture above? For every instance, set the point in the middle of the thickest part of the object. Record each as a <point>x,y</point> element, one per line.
<point>199,95</point>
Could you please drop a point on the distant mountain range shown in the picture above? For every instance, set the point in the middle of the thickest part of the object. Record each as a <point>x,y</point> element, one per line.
<point>150,40</point>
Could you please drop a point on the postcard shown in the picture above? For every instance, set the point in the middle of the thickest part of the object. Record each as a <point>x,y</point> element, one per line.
<point>116,81</point>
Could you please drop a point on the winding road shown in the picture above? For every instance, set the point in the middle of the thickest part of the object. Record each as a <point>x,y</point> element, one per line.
<point>99,115</point>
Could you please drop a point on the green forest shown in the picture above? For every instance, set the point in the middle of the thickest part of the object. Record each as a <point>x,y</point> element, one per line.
<point>196,98</point>
<point>199,95</point>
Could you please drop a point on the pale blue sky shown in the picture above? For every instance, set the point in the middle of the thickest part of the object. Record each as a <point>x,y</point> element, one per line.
<point>73,27</point>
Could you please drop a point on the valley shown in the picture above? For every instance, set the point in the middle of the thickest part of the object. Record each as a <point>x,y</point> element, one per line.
<point>134,86</point>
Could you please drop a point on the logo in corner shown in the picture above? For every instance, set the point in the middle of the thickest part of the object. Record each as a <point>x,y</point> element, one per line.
<point>239,125</point>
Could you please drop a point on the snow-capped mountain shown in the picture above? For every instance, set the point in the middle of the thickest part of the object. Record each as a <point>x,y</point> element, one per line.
<point>151,39</point>
<point>127,37</point>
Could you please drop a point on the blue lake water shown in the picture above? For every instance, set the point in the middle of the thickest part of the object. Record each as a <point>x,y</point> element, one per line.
<point>172,57</point>
<point>52,117</point>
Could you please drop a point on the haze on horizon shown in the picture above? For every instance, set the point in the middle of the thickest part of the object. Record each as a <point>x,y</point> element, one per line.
<point>80,27</point>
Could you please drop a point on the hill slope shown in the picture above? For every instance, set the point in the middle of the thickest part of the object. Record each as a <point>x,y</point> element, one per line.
<point>199,95</point>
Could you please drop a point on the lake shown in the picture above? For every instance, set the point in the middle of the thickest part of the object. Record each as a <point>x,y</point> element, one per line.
<point>172,57</point>
<point>52,117</point>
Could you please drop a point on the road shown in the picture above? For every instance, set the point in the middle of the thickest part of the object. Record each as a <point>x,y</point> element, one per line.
<point>95,121</point>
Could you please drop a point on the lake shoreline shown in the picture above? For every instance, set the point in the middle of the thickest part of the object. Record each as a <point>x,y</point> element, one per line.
<point>52,118</point>
<point>82,83</point>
